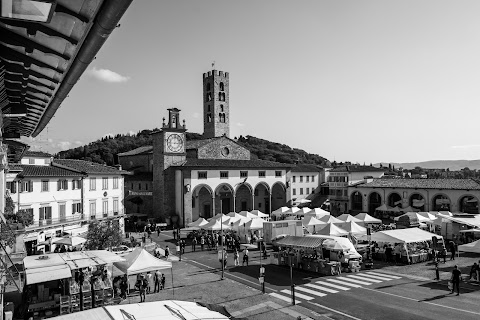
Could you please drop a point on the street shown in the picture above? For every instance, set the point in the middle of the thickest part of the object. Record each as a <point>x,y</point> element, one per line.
<point>364,295</point>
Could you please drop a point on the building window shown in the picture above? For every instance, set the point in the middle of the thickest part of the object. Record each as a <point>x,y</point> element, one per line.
<point>139,186</point>
<point>313,178</point>
<point>45,185</point>
<point>345,193</point>
<point>307,191</point>
<point>146,186</point>
<point>47,161</point>
<point>31,161</point>
<point>12,186</point>
<point>243,174</point>
<point>221,108</point>
<point>261,174</point>
<point>209,117</point>
<point>308,179</point>
<point>26,186</point>
<point>294,192</point>
<point>202,174</point>
<point>293,179</point>
<point>313,190</point>
<point>115,206</point>
<point>76,207</point>
<point>132,186</point>
<point>301,190</point>
<point>221,116</point>
<point>93,209</point>
<point>62,185</point>
<point>75,184</point>
<point>222,87</point>
<point>62,212</point>
<point>208,86</point>
<point>105,208</point>
<point>45,213</point>
<point>104,183</point>
<point>224,174</point>
<point>278,174</point>
<point>93,184</point>
<point>115,182</point>
<point>301,178</point>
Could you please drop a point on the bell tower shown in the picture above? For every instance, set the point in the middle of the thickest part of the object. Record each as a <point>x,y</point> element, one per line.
<point>216,106</point>
<point>168,150</point>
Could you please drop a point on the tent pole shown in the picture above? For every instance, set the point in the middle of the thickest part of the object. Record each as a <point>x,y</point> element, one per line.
<point>173,287</point>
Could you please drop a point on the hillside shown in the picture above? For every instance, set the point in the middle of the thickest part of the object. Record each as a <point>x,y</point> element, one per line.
<point>105,150</point>
<point>452,165</point>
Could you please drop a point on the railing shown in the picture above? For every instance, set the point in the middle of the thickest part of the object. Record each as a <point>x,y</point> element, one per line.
<point>73,219</point>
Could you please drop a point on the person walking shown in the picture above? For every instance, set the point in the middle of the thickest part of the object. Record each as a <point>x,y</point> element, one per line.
<point>149,282</point>
<point>174,234</point>
<point>202,242</point>
<point>225,255</point>
<point>194,243</point>
<point>156,279</point>
<point>167,252</point>
<point>142,285</point>
<point>245,257</point>
<point>124,286</point>
<point>456,279</point>
<point>162,281</point>
<point>235,258</point>
<point>158,231</point>
<point>452,250</point>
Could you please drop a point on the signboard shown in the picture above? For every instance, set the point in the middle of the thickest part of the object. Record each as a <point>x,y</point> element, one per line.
<point>139,193</point>
<point>261,280</point>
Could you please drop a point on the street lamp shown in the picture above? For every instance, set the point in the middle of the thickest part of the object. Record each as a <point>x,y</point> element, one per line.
<point>221,232</point>
<point>292,285</point>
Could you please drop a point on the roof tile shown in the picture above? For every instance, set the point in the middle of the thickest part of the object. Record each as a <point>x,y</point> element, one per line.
<point>456,184</point>
<point>47,171</point>
<point>216,163</point>
<point>86,167</point>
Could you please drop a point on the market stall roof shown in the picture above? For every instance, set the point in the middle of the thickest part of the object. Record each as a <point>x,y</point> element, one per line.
<point>259,214</point>
<point>383,207</point>
<point>470,247</point>
<point>312,221</point>
<point>305,242</point>
<point>247,214</point>
<point>198,223</point>
<point>318,212</point>
<point>280,210</point>
<point>348,217</point>
<point>218,216</point>
<point>216,225</point>
<point>428,215</point>
<point>353,227</point>
<point>407,235</point>
<point>139,260</point>
<point>254,224</point>
<point>44,274</point>
<point>332,230</point>
<point>366,218</point>
<point>472,220</point>
<point>416,215</point>
<point>470,230</point>
<point>165,310</point>
<point>330,219</point>
<point>242,221</point>
<point>409,209</point>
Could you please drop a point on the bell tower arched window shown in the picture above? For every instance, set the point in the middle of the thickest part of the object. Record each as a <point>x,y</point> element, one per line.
<point>209,117</point>
<point>221,108</point>
<point>208,86</point>
<point>222,87</point>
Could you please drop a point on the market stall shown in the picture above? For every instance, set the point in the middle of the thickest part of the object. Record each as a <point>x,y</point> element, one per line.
<point>60,283</point>
<point>415,243</point>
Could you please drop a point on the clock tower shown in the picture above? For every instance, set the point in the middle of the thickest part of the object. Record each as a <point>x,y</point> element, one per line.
<point>168,149</point>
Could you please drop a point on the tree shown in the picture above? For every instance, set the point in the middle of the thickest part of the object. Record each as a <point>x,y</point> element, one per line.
<point>103,235</point>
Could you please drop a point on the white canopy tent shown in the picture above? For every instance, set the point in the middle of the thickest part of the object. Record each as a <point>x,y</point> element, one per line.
<point>409,209</point>
<point>347,218</point>
<point>383,207</point>
<point>417,215</point>
<point>259,214</point>
<point>198,223</point>
<point>139,261</point>
<point>254,224</point>
<point>219,216</point>
<point>311,223</point>
<point>353,227</point>
<point>332,230</point>
<point>367,219</point>
<point>331,219</point>
<point>428,215</point>
<point>247,214</point>
<point>215,225</point>
<point>280,210</point>
<point>407,235</point>
<point>470,247</point>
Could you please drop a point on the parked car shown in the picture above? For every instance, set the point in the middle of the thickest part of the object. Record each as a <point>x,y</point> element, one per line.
<point>122,249</point>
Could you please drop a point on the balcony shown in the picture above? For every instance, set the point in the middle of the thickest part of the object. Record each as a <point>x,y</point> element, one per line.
<point>72,219</point>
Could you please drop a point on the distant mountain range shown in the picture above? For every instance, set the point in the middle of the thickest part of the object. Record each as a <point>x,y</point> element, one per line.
<point>452,165</point>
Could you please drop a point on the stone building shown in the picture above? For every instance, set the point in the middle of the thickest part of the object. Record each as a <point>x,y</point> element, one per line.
<point>200,178</point>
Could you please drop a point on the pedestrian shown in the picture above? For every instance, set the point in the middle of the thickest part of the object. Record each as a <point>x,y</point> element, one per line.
<point>452,250</point>
<point>157,277</point>
<point>202,242</point>
<point>388,252</point>
<point>182,246</point>
<point>149,282</point>
<point>162,281</point>
<point>443,254</point>
<point>144,239</point>
<point>174,234</point>
<point>245,257</point>
<point>194,243</point>
<point>167,252</point>
<point>149,232</point>
<point>158,231</point>
<point>225,255</point>
<point>235,257</point>
<point>456,279</point>
<point>124,286</point>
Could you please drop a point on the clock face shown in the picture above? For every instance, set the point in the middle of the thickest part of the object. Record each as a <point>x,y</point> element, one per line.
<point>174,143</point>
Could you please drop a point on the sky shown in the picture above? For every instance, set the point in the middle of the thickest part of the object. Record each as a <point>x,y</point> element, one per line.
<point>361,81</point>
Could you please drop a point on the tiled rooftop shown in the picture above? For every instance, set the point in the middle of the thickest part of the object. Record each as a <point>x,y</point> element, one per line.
<point>219,163</point>
<point>306,168</point>
<point>47,171</point>
<point>137,151</point>
<point>456,184</point>
<point>86,167</point>
<point>356,168</point>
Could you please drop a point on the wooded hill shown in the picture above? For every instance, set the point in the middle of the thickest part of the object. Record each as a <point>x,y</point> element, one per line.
<point>105,150</point>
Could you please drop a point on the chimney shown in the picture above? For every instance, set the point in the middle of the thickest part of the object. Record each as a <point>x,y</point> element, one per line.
<point>118,166</point>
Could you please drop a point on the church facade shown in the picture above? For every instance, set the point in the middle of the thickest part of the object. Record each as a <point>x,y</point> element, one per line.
<point>200,178</point>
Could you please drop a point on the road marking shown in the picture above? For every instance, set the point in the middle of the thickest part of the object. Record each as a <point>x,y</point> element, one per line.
<point>279,296</point>
<point>333,310</point>
<point>362,279</point>
<point>432,303</point>
<point>310,291</point>
<point>354,281</point>
<point>297,294</point>
<point>345,284</point>
<point>321,288</point>
<point>369,276</point>
<point>332,285</point>
<point>234,276</point>
<point>383,275</point>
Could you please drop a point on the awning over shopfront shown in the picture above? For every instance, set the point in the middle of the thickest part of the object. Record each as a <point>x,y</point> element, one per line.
<point>402,236</point>
<point>304,242</point>
<point>44,274</point>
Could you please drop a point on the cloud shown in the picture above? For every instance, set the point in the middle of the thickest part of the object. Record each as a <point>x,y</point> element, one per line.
<point>78,142</point>
<point>239,124</point>
<point>107,75</point>
<point>63,145</point>
<point>467,146</point>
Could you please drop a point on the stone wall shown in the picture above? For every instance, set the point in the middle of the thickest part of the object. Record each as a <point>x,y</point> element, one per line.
<point>223,148</point>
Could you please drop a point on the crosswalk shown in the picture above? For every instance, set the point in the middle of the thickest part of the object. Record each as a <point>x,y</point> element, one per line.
<point>322,288</point>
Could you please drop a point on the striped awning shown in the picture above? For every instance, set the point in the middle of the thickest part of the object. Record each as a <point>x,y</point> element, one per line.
<point>304,242</point>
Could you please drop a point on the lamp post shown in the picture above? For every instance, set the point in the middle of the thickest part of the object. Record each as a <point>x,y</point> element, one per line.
<point>221,232</point>
<point>292,285</point>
